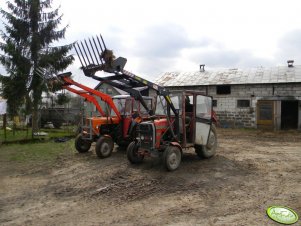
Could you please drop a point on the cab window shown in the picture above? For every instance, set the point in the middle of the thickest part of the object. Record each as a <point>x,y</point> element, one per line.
<point>203,107</point>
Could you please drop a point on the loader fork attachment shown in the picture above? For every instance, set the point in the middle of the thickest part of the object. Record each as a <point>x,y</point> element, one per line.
<point>94,56</point>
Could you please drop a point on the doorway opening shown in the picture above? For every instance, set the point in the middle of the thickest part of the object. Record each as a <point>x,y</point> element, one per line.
<point>289,114</point>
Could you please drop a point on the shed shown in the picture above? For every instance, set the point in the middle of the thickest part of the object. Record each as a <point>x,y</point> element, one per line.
<point>268,98</point>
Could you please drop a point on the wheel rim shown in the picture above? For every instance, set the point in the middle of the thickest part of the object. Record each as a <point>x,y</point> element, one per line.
<point>173,160</point>
<point>105,148</point>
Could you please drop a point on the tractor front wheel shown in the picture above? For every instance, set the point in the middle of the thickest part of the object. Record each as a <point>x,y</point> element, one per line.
<point>82,145</point>
<point>104,147</point>
<point>172,157</point>
<point>132,153</point>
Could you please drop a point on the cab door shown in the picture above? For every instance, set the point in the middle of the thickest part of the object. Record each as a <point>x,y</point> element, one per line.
<point>203,119</point>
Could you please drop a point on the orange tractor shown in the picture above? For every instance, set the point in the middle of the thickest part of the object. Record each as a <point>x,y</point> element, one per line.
<point>116,124</point>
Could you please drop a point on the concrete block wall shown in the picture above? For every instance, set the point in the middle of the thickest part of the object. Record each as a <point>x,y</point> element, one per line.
<point>287,90</point>
<point>230,119</point>
<point>230,115</point>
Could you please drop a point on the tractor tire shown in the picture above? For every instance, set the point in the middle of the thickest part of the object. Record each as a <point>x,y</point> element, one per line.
<point>172,157</point>
<point>82,145</point>
<point>104,147</point>
<point>209,150</point>
<point>132,153</point>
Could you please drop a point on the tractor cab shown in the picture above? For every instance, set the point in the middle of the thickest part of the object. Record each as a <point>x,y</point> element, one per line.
<point>194,117</point>
<point>170,133</point>
<point>127,105</point>
<point>132,112</point>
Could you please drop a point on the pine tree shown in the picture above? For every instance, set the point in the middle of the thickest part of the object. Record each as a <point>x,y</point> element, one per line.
<point>31,29</point>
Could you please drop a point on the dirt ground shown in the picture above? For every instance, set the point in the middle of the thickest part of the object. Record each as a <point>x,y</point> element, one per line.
<point>251,171</point>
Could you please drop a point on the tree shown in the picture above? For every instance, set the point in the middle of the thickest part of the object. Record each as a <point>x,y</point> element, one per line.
<point>63,98</point>
<point>32,28</point>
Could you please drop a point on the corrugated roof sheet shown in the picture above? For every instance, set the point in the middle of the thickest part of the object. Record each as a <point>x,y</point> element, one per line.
<point>281,74</point>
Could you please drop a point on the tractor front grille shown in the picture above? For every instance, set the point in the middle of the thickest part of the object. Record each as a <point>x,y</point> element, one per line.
<point>146,135</point>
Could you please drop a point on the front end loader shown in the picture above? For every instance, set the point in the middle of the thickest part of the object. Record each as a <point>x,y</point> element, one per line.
<point>113,125</point>
<point>182,120</point>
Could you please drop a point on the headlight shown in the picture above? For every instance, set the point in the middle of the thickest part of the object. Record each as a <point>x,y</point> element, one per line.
<point>142,137</point>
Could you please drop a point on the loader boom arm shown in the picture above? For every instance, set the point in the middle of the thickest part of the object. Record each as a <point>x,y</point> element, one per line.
<point>87,96</point>
<point>94,56</point>
<point>67,81</point>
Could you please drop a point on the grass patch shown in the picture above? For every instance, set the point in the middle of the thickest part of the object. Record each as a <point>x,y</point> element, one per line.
<point>36,152</point>
<point>25,134</point>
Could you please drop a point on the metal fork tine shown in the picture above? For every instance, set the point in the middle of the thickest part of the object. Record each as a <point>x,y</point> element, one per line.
<point>88,50</point>
<point>95,44</point>
<point>82,55</point>
<point>93,51</point>
<point>103,41</point>
<point>78,55</point>
<point>86,55</point>
<point>102,50</point>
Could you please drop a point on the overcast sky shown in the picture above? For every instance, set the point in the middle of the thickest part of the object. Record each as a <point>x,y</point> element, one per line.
<point>174,35</point>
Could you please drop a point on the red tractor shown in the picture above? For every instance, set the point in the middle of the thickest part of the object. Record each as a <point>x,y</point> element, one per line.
<point>182,120</point>
<point>170,133</point>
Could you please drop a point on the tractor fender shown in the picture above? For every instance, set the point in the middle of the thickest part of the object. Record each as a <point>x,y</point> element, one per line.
<point>177,145</point>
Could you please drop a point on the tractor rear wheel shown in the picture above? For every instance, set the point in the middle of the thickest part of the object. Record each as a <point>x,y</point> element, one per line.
<point>104,147</point>
<point>172,157</point>
<point>132,153</point>
<point>207,151</point>
<point>82,145</point>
